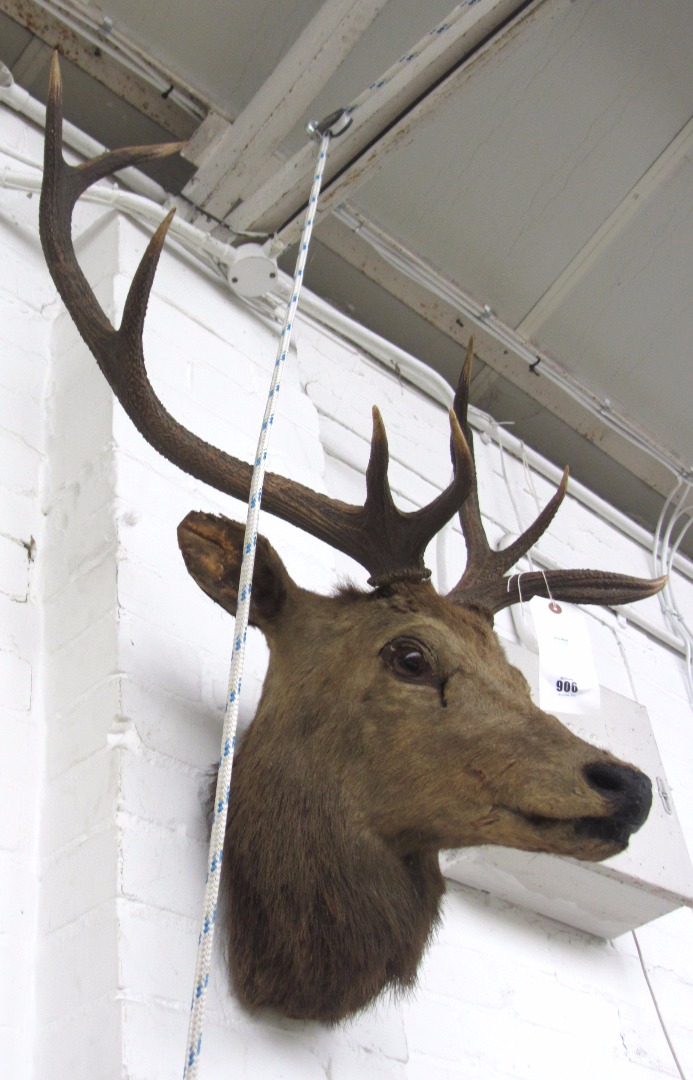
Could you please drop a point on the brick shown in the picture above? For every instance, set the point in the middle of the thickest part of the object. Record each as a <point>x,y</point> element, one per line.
<point>19,626</point>
<point>644,1040</point>
<point>72,447</point>
<point>428,1067</point>
<point>157,790</point>
<point>84,600</point>
<point>70,978</point>
<point>84,662</point>
<point>15,979</point>
<point>264,1053</point>
<point>157,953</point>
<point>347,1063</point>
<point>171,725</point>
<point>21,416</point>
<point>154,1039</point>
<point>25,343</point>
<point>76,539</point>
<point>82,799</point>
<point>516,936</point>
<point>87,1044</point>
<point>81,728</point>
<point>13,813</point>
<point>466,975</point>
<point>669,939</point>
<point>674,993</point>
<point>21,516</point>
<point>15,681</point>
<point>19,277</point>
<point>22,478</point>
<point>150,652</point>
<point>162,868</point>
<point>18,892</point>
<point>80,877</point>
<point>174,600</point>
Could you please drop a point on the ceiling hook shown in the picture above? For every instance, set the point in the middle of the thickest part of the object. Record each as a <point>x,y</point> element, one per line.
<point>335,124</point>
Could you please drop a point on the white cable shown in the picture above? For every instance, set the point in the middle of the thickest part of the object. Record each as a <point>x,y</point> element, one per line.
<point>664,554</point>
<point>529,478</point>
<point>511,494</point>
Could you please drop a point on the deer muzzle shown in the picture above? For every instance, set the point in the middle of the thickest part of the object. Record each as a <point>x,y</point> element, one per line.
<point>630,794</point>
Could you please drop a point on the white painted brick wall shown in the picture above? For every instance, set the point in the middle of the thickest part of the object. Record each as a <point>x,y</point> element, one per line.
<point>24,351</point>
<point>113,669</point>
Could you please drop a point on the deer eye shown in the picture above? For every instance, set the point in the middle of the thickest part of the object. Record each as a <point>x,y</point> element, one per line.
<point>408,660</point>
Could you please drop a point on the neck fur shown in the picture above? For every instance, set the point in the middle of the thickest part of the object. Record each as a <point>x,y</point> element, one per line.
<point>319,915</point>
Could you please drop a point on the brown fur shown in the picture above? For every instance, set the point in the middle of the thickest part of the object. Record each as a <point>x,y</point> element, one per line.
<point>351,779</point>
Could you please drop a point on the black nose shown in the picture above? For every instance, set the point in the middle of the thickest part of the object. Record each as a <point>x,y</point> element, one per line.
<point>629,791</point>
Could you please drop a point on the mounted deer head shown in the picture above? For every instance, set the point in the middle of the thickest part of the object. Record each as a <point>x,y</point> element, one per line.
<point>391,724</point>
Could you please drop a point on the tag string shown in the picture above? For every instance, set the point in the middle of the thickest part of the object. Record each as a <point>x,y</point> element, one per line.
<point>546,582</point>
<point>519,585</point>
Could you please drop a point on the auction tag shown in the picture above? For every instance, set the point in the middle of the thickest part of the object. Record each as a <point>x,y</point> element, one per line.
<point>567,675</point>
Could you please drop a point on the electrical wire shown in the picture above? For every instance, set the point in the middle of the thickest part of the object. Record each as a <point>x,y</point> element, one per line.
<point>664,552</point>
<point>646,974</point>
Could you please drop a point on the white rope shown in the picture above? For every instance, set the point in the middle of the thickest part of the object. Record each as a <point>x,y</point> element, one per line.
<point>221,800</point>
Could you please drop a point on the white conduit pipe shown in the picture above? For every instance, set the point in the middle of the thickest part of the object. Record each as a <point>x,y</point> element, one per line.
<point>23,103</point>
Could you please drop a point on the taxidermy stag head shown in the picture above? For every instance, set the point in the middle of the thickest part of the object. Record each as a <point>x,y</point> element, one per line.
<point>391,724</point>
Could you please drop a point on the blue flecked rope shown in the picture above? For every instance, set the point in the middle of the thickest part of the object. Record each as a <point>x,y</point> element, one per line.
<point>221,801</point>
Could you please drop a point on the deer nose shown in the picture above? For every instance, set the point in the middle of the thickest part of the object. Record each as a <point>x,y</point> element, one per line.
<point>629,790</point>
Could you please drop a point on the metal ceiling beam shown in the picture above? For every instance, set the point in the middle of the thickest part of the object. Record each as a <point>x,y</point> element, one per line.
<point>137,91</point>
<point>230,163</point>
<point>387,115</point>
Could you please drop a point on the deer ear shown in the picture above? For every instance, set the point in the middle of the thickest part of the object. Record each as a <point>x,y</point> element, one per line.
<point>212,548</point>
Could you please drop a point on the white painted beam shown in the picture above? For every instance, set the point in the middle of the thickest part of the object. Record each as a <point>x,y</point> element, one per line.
<point>228,165</point>
<point>661,169</point>
<point>389,112</point>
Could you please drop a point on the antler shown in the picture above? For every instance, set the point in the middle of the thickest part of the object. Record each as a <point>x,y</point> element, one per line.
<point>389,543</point>
<point>484,581</point>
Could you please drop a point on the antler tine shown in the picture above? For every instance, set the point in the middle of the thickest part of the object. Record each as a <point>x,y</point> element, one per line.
<point>483,563</point>
<point>572,586</point>
<point>399,539</point>
<point>484,581</point>
<point>388,543</point>
<point>62,186</point>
